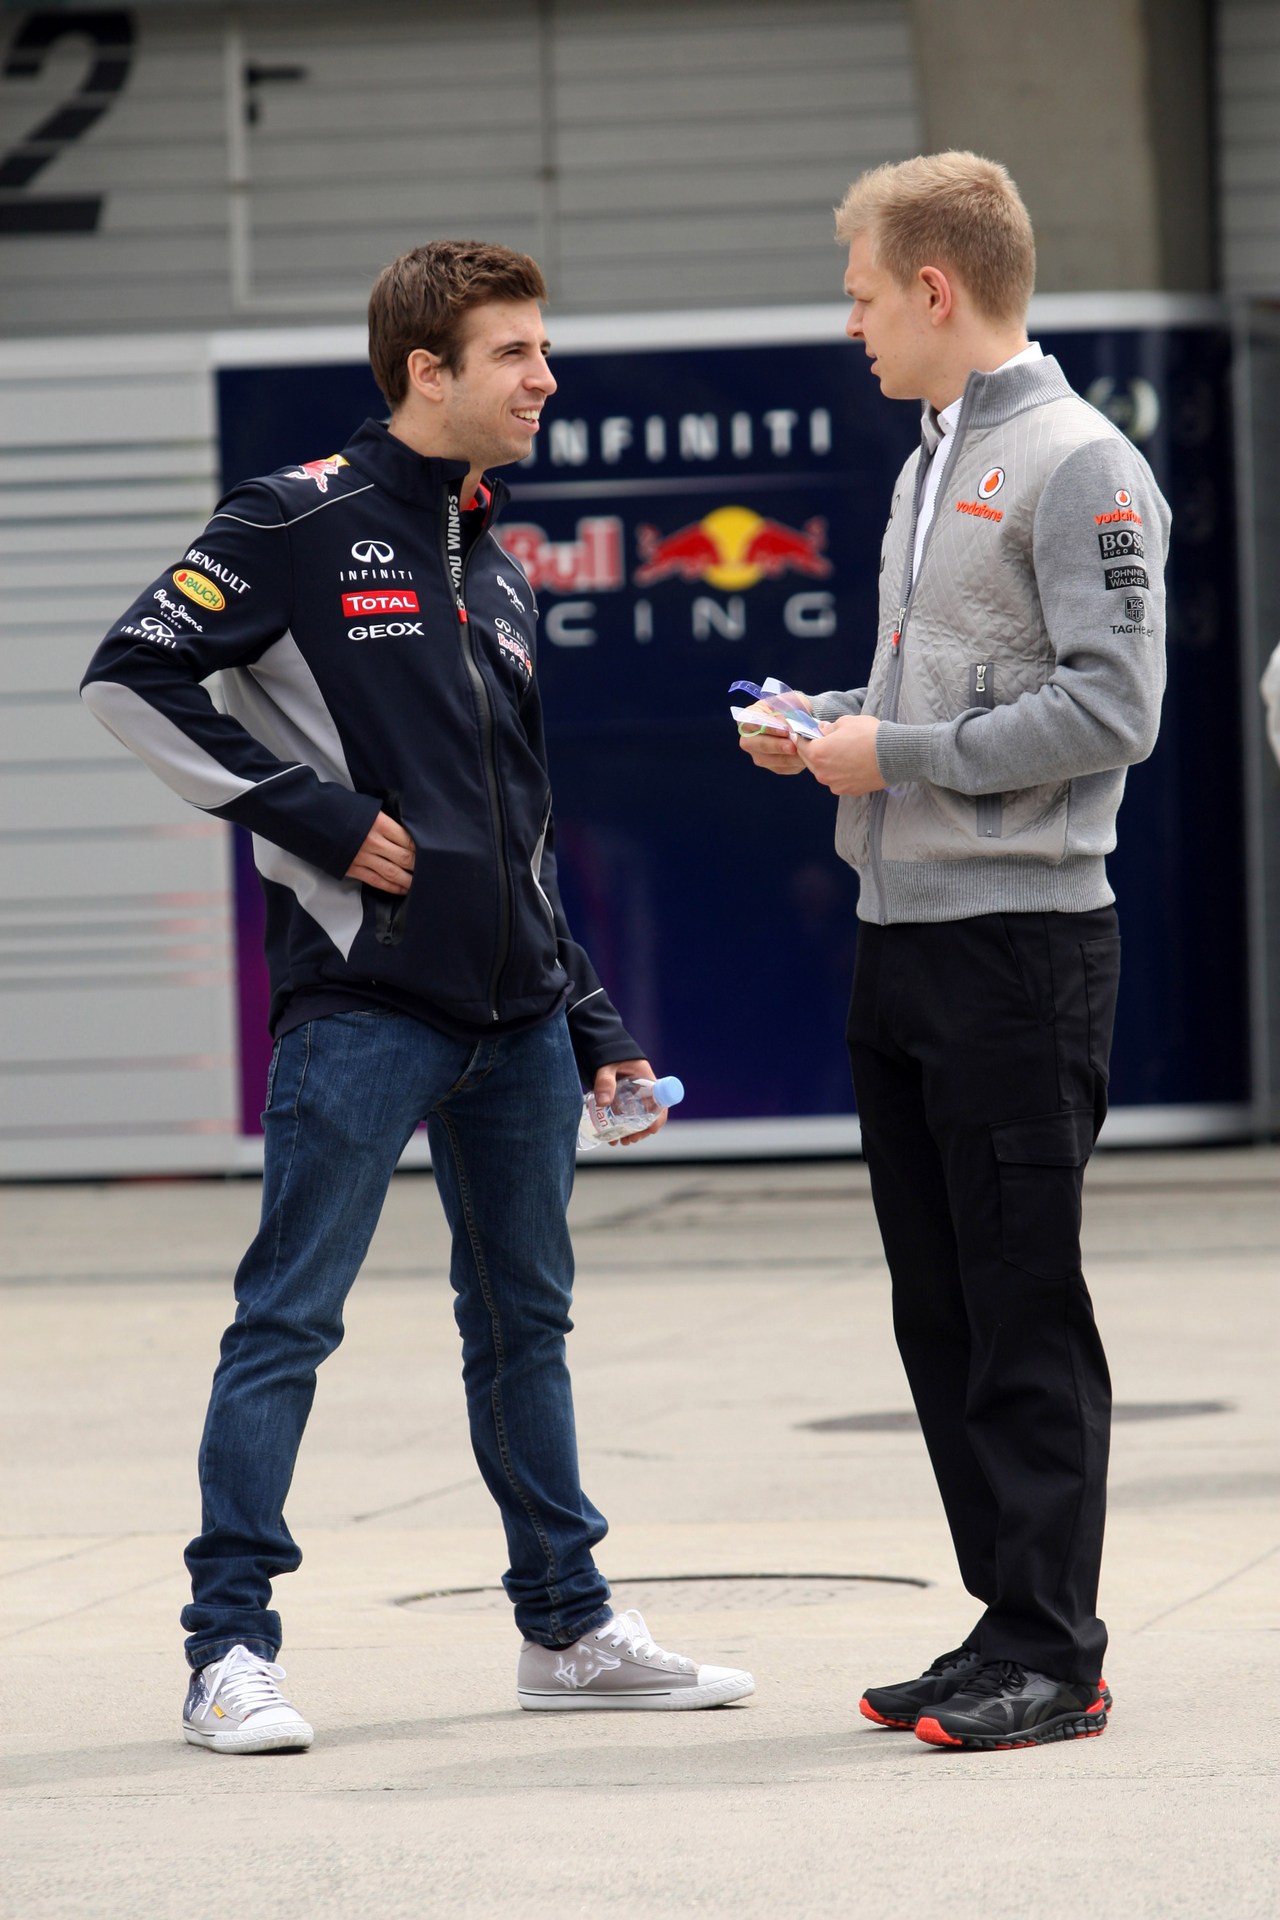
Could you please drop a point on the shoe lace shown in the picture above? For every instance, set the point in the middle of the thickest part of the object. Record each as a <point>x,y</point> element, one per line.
<point>956,1658</point>
<point>1001,1676</point>
<point>630,1627</point>
<point>247,1683</point>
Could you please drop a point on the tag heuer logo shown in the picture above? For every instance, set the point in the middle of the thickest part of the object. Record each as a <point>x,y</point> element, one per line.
<point>1134,609</point>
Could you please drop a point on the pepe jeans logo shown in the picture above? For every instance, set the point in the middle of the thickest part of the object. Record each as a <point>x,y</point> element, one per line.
<point>510,592</point>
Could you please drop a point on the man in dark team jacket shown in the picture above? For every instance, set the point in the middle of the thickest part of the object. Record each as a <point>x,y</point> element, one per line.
<point>383,742</point>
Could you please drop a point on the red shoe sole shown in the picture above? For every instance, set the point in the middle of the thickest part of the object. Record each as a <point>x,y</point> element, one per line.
<point>895,1726</point>
<point>1086,1726</point>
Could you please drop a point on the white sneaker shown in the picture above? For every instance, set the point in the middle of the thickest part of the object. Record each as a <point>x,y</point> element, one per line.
<point>235,1706</point>
<point>620,1666</point>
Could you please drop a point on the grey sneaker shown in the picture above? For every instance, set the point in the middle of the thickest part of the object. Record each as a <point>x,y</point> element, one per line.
<point>620,1666</point>
<point>235,1706</point>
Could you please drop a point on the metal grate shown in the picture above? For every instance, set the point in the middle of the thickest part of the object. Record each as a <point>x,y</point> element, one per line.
<point>687,1592</point>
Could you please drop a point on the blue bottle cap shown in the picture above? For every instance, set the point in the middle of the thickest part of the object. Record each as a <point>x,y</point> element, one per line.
<point>668,1092</point>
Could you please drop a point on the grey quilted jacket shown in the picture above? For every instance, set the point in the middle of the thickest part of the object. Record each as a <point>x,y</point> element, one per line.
<point>1021,673</point>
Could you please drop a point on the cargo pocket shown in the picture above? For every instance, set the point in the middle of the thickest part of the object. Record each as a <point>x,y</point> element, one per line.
<point>1101,980</point>
<point>1041,1166</point>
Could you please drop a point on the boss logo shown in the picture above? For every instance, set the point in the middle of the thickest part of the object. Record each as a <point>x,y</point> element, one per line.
<point>1124,544</point>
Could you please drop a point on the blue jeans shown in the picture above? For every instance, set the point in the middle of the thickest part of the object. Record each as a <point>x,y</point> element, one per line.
<point>344,1095</point>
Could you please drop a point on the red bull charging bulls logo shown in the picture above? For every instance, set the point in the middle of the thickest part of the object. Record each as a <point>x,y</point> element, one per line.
<point>731,548</point>
<point>321,471</point>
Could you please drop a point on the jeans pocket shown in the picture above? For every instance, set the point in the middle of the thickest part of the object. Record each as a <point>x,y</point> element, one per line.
<point>1041,1166</point>
<point>271,1075</point>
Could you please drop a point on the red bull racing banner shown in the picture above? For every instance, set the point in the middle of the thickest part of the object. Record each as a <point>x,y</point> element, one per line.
<point>698,515</point>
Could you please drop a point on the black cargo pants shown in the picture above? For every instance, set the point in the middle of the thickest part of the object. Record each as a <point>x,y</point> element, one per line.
<point>980,1055</point>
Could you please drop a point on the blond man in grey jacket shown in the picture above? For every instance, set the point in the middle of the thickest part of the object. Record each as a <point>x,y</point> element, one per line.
<point>1018,672</point>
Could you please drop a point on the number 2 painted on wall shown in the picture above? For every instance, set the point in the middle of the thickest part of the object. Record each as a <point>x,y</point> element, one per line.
<point>111,35</point>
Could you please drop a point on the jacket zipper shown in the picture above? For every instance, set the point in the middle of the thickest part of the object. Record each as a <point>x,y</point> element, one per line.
<point>982,693</point>
<point>893,686</point>
<point>456,564</point>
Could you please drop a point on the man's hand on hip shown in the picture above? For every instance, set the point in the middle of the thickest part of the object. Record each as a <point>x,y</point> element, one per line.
<point>844,760</point>
<point>386,858</point>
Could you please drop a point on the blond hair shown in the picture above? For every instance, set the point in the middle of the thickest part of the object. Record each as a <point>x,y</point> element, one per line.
<point>953,210</point>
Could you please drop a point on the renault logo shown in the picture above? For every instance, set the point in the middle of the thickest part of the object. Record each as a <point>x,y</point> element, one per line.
<point>368,550</point>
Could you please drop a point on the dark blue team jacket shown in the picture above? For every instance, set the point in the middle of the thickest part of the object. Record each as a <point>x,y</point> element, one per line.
<point>371,657</point>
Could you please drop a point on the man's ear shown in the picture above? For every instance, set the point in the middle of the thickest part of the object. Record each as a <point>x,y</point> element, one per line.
<point>939,297</point>
<point>425,374</point>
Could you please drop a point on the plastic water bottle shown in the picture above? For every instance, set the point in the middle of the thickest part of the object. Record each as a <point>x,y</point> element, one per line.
<point>636,1104</point>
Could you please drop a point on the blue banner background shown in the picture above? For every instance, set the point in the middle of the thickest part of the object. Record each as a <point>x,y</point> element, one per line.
<point>709,894</point>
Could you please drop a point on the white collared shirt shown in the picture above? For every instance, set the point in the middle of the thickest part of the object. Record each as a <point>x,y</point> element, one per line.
<point>946,422</point>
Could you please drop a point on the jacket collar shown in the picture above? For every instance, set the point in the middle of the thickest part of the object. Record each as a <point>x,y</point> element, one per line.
<point>410,476</point>
<point>992,398</point>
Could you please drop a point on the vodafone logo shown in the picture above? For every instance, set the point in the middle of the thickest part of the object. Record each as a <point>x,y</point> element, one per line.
<point>355,606</point>
<point>1124,498</point>
<point>990,483</point>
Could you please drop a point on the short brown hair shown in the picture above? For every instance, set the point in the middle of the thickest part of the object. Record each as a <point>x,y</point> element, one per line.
<point>952,210</point>
<point>422,299</point>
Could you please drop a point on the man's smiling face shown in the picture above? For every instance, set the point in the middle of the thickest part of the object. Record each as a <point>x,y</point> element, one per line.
<point>492,401</point>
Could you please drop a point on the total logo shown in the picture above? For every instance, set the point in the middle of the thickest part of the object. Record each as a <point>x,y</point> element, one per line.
<point>357,606</point>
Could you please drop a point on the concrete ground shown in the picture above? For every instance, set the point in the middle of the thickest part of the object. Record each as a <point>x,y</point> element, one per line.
<point>721,1313</point>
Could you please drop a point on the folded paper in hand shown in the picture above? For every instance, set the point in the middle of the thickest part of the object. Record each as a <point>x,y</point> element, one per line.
<point>786,709</point>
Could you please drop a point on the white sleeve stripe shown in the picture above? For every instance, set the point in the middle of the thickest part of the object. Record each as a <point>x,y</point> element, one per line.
<point>573,1008</point>
<point>278,526</point>
<point>179,761</point>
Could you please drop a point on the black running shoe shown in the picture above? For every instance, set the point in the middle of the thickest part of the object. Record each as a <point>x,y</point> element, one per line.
<point>1006,1705</point>
<point>901,1706</point>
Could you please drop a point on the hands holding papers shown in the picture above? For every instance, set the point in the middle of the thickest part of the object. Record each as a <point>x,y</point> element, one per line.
<point>781,734</point>
<point>778,711</point>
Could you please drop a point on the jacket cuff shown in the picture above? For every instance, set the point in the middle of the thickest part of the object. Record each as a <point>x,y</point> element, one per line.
<point>834,705</point>
<point>904,753</point>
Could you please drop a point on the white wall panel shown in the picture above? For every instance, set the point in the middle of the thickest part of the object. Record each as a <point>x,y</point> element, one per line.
<point>117,1028</point>
<point>1248,58</point>
<point>710,130</point>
